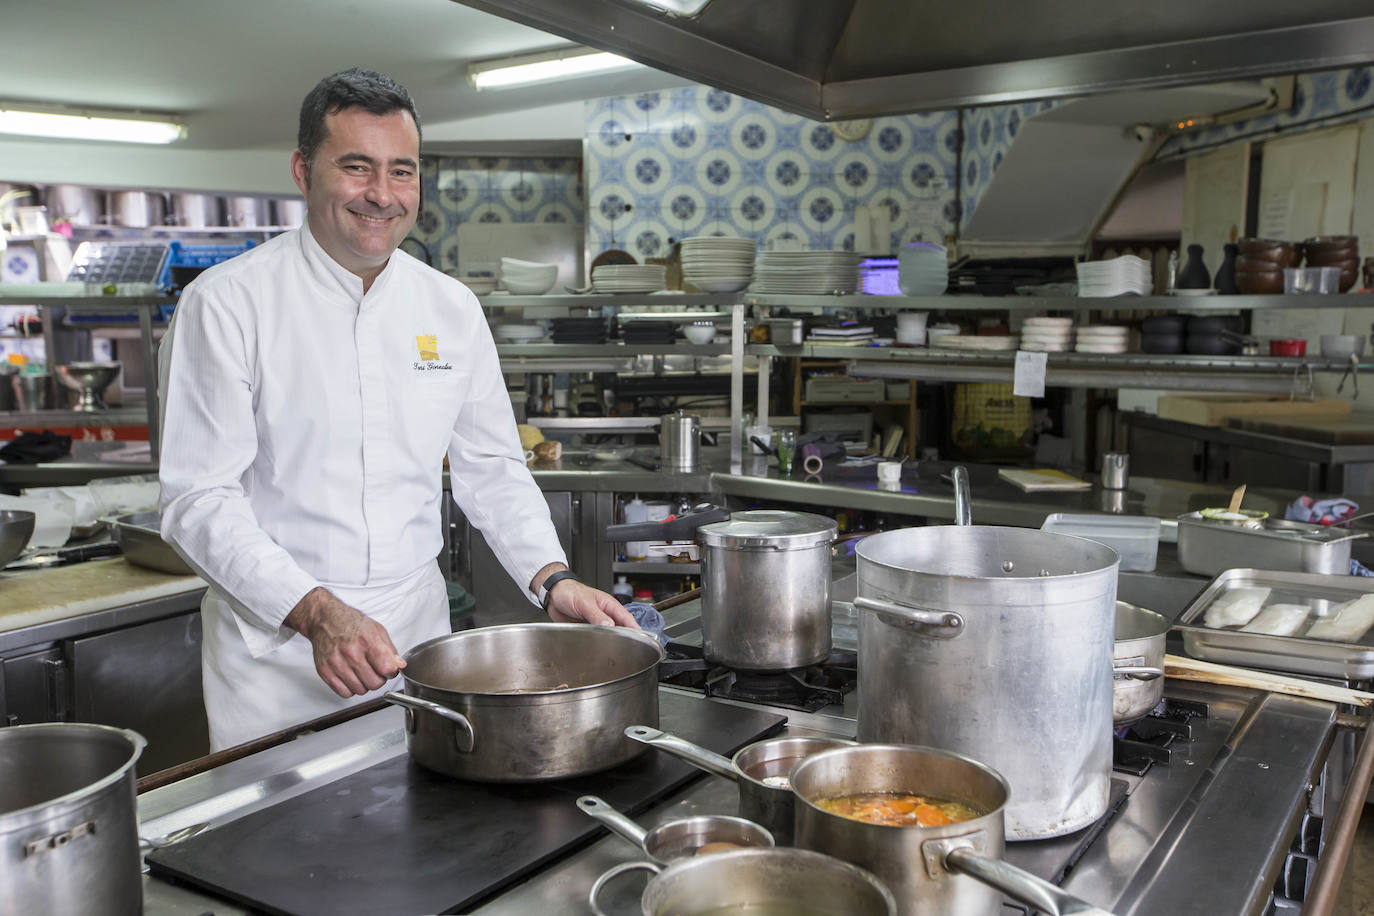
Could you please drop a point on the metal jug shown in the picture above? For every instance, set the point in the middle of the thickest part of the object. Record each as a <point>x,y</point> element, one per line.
<point>679,441</point>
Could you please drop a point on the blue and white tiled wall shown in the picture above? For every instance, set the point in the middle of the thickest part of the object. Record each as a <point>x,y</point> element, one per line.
<point>494,190</point>
<point>1329,97</point>
<point>663,166</point>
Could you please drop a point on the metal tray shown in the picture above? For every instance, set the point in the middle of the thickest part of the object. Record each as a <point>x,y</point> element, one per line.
<point>1347,661</point>
<point>139,538</point>
<point>1207,548</point>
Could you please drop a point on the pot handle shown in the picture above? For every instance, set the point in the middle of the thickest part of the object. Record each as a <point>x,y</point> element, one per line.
<point>1020,885</point>
<point>616,872</point>
<point>939,624</point>
<point>694,754</point>
<point>462,728</point>
<point>617,822</point>
<point>1136,673</point>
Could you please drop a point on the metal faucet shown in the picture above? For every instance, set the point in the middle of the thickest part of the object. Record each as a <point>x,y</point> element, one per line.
<point>962,514</point>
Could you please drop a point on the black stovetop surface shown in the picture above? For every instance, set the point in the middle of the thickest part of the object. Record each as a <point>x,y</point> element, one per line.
<point>397,839</point>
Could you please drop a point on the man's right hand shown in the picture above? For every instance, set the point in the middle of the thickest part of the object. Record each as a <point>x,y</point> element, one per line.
<point>353,653</point>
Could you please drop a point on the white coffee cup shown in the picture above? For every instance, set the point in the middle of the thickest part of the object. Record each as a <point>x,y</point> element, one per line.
<point>889,471</point>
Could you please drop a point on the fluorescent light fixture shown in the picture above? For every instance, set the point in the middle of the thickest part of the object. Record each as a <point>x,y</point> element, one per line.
<point>683,8</point>
<point>78,126</point>
<point>538,68</point>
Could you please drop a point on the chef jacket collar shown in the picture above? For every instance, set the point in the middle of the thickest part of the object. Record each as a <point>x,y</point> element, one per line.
<point>334,275</point>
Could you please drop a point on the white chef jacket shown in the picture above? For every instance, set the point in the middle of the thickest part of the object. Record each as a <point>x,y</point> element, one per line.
<point>304,428</point>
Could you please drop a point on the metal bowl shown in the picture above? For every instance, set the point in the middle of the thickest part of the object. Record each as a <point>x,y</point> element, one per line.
<point>138,537</point>
<point>16,527</point>
<point>90,379</point>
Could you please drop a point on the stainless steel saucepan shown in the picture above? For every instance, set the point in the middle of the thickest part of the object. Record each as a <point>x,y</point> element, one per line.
<point>680,837</point>
<point>1137,662</point>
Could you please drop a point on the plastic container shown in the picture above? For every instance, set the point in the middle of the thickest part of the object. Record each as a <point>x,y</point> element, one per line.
<point>1311,279</point>
<point>1136,539</point>
<point>181,255</point>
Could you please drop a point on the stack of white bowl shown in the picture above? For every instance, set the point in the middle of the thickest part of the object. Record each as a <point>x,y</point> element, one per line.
<point>1047,335</point>
<point>807,273</point>
<point>517,333</point>
<point>629,278</point>
<point>1102,338</point>
<point>718,264</point>
<point>922,269</point>
<point>911,328</point>
<point>528,278</point>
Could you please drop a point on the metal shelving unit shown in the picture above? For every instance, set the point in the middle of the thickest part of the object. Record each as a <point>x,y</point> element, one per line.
<point>112,305</point>
<point>1067,303</point>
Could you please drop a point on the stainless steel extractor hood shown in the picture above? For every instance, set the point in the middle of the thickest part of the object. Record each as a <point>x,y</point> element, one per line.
<point>837,59</point>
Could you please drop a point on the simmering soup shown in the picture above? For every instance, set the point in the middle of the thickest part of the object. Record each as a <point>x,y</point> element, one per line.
<point>896,809</point>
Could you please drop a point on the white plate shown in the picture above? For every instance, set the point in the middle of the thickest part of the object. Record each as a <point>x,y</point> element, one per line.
<point>1048,323</point>
<point>1192,292</point>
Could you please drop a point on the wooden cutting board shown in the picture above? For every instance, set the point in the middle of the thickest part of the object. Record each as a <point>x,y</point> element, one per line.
<point>33,597</point>
<point>1327,432</point>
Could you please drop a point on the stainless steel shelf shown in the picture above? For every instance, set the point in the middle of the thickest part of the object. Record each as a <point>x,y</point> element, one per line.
<point>616,350</point>
<point>646,567</point>
<point>115,304</point>
<point>1068,303</point>
<point>126,415</point>
<point>597,300</point>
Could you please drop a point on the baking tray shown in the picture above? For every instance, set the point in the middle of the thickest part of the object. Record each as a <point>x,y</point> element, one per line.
<point>1207,548</point>
<point>1347,661</point>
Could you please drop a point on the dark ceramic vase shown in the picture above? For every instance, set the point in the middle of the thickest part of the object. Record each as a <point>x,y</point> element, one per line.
<point>1194,274</point>
<point>1226,273</point>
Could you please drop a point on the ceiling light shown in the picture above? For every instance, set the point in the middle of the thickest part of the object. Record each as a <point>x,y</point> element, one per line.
<point>538,68</point>
<point>684,8</point>
<point>82,126</point>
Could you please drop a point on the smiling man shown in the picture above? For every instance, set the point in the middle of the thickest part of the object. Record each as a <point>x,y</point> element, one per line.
<point>312,388</point>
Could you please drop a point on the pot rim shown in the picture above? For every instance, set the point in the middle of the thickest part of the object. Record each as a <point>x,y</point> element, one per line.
<point>1159,624</point>
<point>734,760</point>
<point>1006,581</point>
<point>819,859</point>
<point>530,697</point>
<point>968,826</point>
<point>77,796</point>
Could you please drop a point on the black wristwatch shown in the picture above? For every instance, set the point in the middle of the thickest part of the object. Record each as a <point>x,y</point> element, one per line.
<point>551,581</point>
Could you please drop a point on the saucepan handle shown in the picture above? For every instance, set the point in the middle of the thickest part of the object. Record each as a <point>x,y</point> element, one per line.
<point>462,728</point>
<point>1136,673</point>
<point>619,823</point>
<point>615,872</point>
<point>694,754</point>
<point>1037,893</point>
<point>927,622</point>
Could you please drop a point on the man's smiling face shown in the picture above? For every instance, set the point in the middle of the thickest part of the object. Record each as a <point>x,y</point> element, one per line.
<point>362,187</point>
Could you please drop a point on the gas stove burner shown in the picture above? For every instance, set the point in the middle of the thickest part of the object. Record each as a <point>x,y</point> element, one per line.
<point>1140,745</point>
<point>806,689</point>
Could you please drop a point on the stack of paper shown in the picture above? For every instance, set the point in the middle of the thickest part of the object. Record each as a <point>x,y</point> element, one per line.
<point>1126,275</point>
<point>1046,479</point>
<point>850,334</point>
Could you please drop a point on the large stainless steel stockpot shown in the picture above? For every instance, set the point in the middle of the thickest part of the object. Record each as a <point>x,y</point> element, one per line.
<point>761,768</point>
<point>196,210</point>
<point>74,203</point>
<point>137,209</point>
<point>953,870</point>
<point>68,819</point>
<point>995,643</point>
<point>530,701</point>
<point>765,579</point>
<point>1137,662</point>
<point>757,882</point>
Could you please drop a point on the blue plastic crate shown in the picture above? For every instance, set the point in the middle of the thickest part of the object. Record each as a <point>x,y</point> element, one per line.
<point>180,254</point>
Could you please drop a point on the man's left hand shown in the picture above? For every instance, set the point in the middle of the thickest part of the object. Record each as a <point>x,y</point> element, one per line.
<point>574,602</point>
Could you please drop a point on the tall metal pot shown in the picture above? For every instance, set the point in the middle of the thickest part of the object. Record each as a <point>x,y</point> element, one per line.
<point>995,643</point>
<point>68,819</point>
<point>765,600</point>
<point>679,441</point>
<point>529,701</point>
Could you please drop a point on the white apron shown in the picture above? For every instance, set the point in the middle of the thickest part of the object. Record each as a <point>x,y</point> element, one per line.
<point>246,697</point>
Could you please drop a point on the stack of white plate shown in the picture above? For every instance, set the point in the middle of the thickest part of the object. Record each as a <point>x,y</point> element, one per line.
<point>1102,338</point>
<point>1047,335</point>
<point>806,273</point>
<point>911,328</point>
<point>974,342</point>
<point>922,269</point>
<point>1121,276</point>
<point>629,278</point>
<point>517,333</point>
<point>718,264</point>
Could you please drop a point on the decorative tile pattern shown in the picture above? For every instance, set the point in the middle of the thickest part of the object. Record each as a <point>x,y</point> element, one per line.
<point>1331,97</point>
<point>494,190</point>
<point>663,166</point>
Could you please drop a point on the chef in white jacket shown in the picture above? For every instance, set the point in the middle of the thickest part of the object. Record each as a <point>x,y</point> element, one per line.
<point>312,388</point>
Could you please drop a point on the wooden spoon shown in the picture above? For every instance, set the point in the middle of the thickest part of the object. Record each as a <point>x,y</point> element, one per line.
<point>1190,669</point>
<point>1236,497</point>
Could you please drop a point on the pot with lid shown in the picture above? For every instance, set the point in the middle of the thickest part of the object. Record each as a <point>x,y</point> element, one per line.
<point>679,441</point>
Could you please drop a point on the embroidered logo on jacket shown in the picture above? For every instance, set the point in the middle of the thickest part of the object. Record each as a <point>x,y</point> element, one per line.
<point>428,345</point>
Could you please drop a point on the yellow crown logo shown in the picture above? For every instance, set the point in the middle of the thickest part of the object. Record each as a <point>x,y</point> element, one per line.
<point>428,345</point>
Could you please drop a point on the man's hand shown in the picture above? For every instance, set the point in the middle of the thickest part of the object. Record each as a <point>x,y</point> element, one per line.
<point>353,653</point>
<point>574,602</point>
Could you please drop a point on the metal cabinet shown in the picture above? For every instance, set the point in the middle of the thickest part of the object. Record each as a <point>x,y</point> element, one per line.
<point>34,687</point>
<point>146,678</point>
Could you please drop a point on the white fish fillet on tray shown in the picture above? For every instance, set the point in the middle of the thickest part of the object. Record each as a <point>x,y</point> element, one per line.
<point>1237,607</point>
<point>1279,620</point>
<point>1351,621</point>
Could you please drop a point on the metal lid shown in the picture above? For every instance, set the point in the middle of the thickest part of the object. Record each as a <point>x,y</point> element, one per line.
<point>771,528</point>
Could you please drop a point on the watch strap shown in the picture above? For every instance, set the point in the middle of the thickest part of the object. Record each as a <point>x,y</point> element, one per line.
<point>551,581</point>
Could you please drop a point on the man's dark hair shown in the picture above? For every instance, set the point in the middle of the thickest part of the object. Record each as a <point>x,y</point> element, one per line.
<point>356,88</point>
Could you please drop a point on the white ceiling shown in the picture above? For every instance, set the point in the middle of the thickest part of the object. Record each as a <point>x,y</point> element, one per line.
<point>236,71</point>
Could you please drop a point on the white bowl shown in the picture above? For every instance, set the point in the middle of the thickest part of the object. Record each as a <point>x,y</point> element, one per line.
<point>536,286</point>
<point>699,333</point>
<point>517,332</point>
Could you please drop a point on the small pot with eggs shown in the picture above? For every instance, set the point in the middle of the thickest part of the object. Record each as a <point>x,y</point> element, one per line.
<point>928,823</point>
<point>761,769</point>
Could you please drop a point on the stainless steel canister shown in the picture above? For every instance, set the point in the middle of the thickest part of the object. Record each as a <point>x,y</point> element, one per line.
<point>196,210</point>
<point>679,441</point>
<point>765,580</point>
<point>995,643</point>
<point>1115,470</point>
